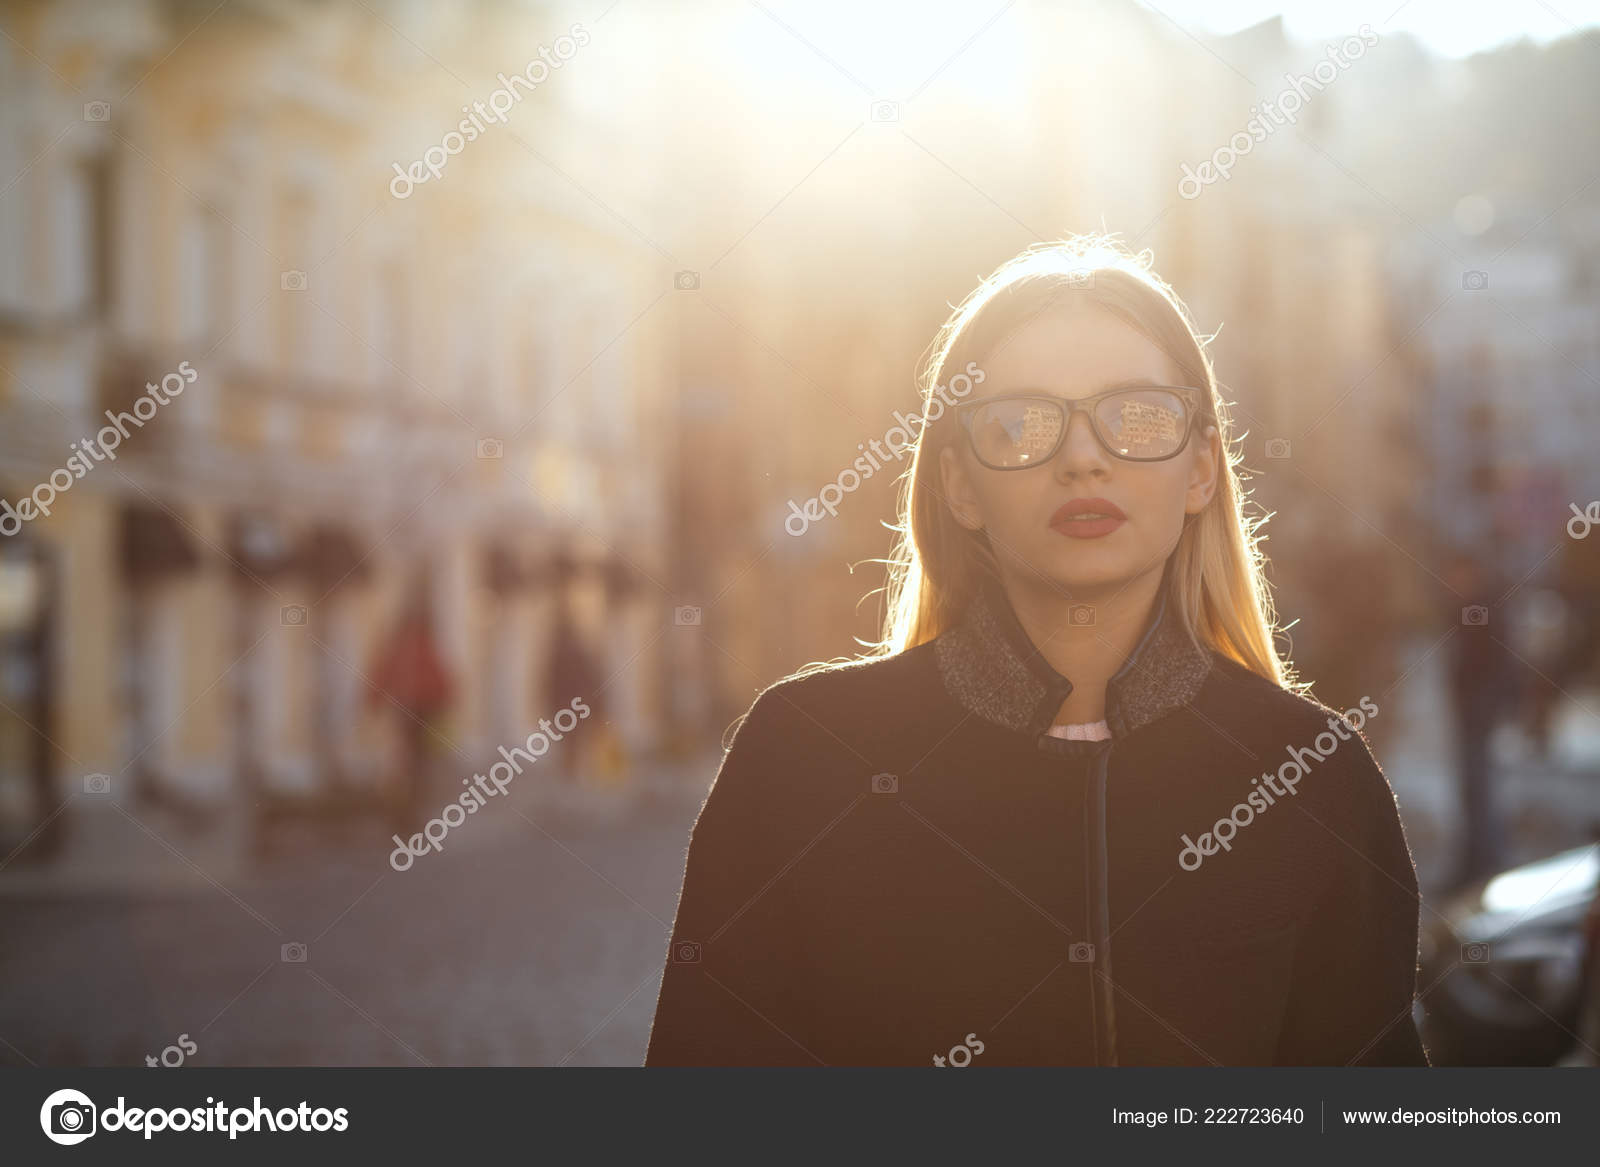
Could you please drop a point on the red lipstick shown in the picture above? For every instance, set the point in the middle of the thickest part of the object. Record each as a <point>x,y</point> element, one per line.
<point>1087,518</point>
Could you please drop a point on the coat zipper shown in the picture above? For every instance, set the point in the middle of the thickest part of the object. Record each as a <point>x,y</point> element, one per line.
<point>1105,1012</point>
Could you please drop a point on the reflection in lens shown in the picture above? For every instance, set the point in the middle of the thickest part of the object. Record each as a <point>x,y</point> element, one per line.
<point>1016,432</point>
<point>1142,423</point>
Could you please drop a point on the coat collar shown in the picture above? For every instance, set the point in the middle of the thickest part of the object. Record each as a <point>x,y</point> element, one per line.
<point>992,668</point>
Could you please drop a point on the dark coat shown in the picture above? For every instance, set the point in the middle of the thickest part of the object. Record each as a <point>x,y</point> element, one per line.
<point>896,860</point>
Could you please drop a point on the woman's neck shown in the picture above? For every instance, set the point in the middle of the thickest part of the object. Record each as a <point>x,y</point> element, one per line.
<point>1088,655</point>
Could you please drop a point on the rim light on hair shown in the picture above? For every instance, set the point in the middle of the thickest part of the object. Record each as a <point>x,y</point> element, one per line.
<point>1217,584</point>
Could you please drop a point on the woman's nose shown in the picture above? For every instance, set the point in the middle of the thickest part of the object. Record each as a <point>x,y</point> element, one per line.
<point>1081,451</point>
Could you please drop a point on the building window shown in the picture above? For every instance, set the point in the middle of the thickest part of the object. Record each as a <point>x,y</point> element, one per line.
<point>204,288</point>
<point>82,238</point>
<point>387,329</point>
<point>13,206</point>
<point>297,323</point>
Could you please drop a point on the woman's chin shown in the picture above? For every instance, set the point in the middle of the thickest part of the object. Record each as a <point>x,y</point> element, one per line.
<point>1087,565</point>
<point>1078,572</point>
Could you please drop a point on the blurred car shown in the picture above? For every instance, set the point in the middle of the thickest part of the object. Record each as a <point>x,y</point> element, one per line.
<point>1587,1050</point>
<point>1508,966</point>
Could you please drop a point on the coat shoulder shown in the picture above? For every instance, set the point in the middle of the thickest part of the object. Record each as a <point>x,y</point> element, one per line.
<point>1256,699</point>
<point>845,699</point>
<point>1273,721</point>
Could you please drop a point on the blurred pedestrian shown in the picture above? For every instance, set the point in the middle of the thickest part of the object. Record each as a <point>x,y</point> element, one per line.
<point>1544,633</point>
<point>1347,641</point>
<point>1578,580</point>
<point>572,669</point>
<point>1482,691</point>
<point>410,677</point>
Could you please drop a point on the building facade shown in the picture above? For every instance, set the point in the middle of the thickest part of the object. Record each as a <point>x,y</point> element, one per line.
<point>318,396</point>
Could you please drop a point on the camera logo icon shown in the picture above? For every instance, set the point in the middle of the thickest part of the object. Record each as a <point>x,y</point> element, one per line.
<point>292,281</point>
<point>686,616</point>
<point>97,783</point>
<point>293,953</point>
<point>1474,281</point>
<point>1081,953</point>
<point>885,111</point>
<point>1081,615</point>
<point>1278,448</point>
<point>1477,953</point>
<point>293,615</point>
<point>1475,615</point>
<point>491,448</point>
<point>685,952</point>
<point>885,784</point>
<point>68,1117</point>
<point>97,111</point>
<point>687,281</point>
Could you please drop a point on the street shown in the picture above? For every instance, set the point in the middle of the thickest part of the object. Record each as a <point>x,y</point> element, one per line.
<point>535,937</point>
<point>515,945</point>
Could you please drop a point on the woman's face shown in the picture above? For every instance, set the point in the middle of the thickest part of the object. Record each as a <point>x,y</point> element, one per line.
<point>1076,352</point>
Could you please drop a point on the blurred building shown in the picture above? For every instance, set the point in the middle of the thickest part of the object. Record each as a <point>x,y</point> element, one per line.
<point>1519,401</point>
<point>440,386</point>
<point>1289,259</point>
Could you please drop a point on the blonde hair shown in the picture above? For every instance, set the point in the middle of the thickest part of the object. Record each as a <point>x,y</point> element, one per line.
<point>1215,578</point>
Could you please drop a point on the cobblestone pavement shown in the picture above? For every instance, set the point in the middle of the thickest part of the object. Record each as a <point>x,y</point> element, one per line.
<point>521,943</point>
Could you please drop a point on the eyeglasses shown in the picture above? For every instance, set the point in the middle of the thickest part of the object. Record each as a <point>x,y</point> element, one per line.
<point>1014,432</point>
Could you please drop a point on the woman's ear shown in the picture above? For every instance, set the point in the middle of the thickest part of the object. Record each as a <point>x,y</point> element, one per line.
<point>1203,470</point>
<point>958,493</point>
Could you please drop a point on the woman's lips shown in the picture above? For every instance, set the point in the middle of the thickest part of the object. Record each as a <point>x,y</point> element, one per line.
<point>1087,518</point>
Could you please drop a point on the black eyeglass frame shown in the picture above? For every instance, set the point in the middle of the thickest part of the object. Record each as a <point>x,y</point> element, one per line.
<point>1191,397</point>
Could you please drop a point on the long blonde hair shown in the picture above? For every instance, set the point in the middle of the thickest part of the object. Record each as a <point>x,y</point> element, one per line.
<point>1215,578</point>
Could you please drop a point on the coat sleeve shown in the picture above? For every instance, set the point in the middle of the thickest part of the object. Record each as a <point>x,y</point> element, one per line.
<point>734,991</point>
<point>1355,964</point>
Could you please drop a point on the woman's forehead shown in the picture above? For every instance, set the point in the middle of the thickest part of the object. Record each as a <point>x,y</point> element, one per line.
<point>1072,351</point>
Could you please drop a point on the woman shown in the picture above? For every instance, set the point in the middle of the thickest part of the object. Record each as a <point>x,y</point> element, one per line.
<point>1074,809</point>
